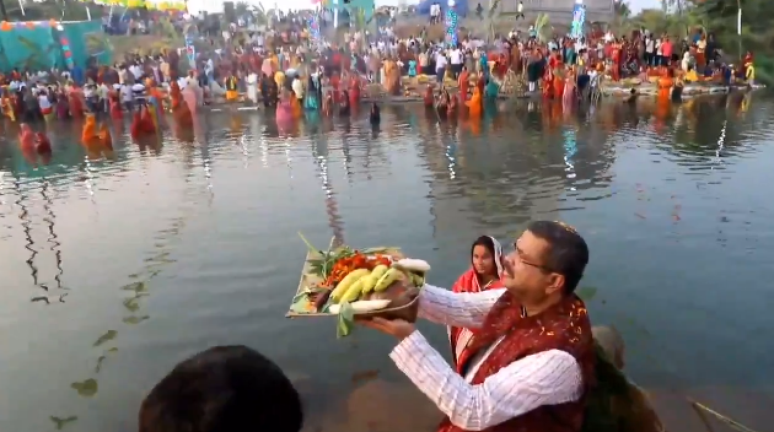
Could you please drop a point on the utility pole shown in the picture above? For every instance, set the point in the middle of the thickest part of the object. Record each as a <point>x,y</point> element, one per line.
<point>738,26</point>
<point>3,11</point>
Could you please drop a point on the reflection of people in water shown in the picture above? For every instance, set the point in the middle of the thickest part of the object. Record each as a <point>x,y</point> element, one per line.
<point>239,389</point>
<point>632,98</point>
<point>344,104</point>
<point>374,117</point>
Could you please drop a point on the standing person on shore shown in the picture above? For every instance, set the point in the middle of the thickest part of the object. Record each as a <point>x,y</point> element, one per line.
<point>520,11</point>
<point>440,67</point>
<point>456,57</point>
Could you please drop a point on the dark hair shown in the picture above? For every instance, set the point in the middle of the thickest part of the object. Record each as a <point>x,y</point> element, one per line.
<point>568,254</point>
<point>484,241</point>
<point>223,389</point>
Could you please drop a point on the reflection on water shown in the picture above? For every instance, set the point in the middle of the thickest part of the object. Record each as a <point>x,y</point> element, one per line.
<point>120,264</point>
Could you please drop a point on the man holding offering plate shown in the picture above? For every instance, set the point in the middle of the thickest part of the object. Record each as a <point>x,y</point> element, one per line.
<point>533,349</point>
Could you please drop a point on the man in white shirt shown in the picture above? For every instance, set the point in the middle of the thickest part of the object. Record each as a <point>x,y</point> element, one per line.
<point>520,10</point>
<point>298,89</point>
<point>127,97</point>
<point>136,71</point>
<point>456,57</point>
<point>440,66</point>
<point>533,352</point>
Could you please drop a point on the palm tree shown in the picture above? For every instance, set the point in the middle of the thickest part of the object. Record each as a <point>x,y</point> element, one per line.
<point>241,8</point>
<point>543,27</point>
<point>621,9</point>
<point>492,15</point>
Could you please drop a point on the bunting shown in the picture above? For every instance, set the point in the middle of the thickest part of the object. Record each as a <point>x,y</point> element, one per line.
<point>163,6</point>
<point>18,25</point>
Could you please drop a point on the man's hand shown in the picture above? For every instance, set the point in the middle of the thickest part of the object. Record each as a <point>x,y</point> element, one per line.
<point>398,328</point>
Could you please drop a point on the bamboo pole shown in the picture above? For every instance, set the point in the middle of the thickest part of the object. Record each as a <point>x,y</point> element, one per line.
<point>699,407</point>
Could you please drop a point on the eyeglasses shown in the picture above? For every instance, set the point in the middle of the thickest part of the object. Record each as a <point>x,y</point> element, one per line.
<point>519,255</point>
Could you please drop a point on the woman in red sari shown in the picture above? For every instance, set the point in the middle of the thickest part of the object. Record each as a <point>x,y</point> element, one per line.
<point>484,274</point>
<point>354,91</point>
<point>616,57</point>
<point>463,82</point>
<point>75,100</point>
<point>548,84</point>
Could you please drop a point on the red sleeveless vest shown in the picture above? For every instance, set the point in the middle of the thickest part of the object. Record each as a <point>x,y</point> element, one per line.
<point>565,327</point>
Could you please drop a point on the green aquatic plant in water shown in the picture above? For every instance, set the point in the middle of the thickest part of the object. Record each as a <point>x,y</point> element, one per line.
<point>86,388</point>
<point>61,422</point>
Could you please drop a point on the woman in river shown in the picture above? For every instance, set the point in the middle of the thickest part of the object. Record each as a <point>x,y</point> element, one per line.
<point>310,102</point>
<point>269,91</point>
<point>374,117</point>
<point>484,274</point>
<point>442,103</point>
<point>344,105</point>
<point>463,81</point>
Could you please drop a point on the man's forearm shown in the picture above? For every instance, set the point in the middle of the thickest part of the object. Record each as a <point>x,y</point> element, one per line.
<point>467,310</point>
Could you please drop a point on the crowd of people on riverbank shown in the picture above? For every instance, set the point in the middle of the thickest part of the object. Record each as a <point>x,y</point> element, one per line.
<point>292,71</point>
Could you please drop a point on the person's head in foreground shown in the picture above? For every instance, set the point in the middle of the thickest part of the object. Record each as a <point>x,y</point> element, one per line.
<point>547,263</point>
<point>223,389</point>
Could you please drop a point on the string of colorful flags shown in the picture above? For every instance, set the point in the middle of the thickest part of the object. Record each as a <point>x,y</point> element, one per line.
<point>164,6</point>
<point>8,26</point>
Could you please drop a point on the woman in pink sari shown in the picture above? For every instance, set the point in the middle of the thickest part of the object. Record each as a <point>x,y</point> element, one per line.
<point>484,274</point>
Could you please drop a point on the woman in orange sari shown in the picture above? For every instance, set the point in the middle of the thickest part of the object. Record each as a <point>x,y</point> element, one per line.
<point>558,83</point>
<point>103,135</point>
<point>26,137</point>
<point>548,84</point>
<point>484,274</point>
<point>7,104</point>
<point>89,131</point>
<point>392,76</point>
<point>463,82</point>
<point>665,84</point>
<point>475,103</point>
<point>295,106</point>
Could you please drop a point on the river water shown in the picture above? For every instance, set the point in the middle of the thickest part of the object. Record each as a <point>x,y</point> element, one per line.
<point>118,265</point>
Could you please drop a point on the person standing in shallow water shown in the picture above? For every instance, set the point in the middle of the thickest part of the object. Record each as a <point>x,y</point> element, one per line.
<point>534,352</point>
<point>484,274</point>
<point>223,389</point>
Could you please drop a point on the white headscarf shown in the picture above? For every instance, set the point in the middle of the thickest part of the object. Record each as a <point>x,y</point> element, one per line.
<point>498,255</point>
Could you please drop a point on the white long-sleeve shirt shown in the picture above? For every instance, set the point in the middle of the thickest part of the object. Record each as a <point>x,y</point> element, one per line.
<point>547,378</point>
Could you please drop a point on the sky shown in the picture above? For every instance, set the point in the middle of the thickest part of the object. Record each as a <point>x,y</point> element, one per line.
<point>195,6</point>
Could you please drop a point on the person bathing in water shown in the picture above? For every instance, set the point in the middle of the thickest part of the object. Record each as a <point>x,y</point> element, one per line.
<point>374,117</point>
<point>484,274</point>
